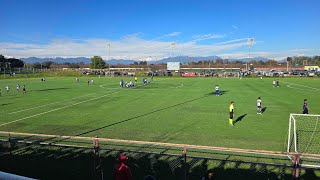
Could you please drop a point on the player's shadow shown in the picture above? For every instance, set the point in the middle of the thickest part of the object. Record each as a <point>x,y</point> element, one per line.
<point>263,109</point>
<point>240,118</point>
<point>51,89</point>
<point>221,93</point>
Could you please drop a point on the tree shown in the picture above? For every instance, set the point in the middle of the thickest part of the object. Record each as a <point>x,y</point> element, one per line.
<point>46,64</point>
<point>12,62</point>
<point>97,63</point>
<point>143,63</point>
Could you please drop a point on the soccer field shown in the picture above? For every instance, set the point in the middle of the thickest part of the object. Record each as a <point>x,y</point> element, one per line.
<point>175,110</point>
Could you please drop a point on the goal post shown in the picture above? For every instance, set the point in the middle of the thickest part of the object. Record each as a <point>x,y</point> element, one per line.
<point>304,136</point>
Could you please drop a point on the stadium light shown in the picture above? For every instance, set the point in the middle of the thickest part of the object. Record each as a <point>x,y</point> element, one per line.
<point>173,45</point>
<point>250,42</point>
<point>109,45</point>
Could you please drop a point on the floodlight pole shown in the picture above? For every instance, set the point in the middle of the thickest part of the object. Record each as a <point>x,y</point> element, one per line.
<point>173,44</point>
<point>250,43</point>
<point>109,56</point>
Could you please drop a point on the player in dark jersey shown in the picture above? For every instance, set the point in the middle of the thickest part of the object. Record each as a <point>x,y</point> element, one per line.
<point>305,107</point>
<point>24,89</point>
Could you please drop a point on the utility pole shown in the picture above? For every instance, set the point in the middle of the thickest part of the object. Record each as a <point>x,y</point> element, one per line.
<point>109,45</point>
<point>173,45</point>
<point>249,43</point>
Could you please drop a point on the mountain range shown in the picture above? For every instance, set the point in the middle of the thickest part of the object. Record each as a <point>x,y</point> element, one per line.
<point>181,59</point>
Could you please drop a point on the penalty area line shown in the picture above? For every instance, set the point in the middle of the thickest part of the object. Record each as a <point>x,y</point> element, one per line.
<point>312,88</point>
<point>46,112</point>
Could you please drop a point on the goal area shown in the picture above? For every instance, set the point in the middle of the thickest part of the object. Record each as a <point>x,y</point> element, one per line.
<point>304,138</point>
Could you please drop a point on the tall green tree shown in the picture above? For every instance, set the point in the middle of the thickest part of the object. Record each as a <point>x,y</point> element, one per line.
<point>97,63</point>
<point>12,62</point>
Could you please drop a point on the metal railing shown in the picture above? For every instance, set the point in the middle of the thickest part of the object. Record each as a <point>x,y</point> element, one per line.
<point>66,157</point>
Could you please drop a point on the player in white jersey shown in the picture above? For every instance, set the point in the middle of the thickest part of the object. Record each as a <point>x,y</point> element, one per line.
<point>7,88</point>
<point>259,105</point>
<point>18,87</point>
<point>217,91</point>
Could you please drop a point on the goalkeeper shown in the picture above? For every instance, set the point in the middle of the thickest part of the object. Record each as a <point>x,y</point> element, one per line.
<point>305,107</point>
<point>231,111</point>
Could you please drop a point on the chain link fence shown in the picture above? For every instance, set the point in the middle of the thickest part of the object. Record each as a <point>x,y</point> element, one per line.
<point>66,158</point>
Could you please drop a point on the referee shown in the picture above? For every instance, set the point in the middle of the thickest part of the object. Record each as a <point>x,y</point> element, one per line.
<point>231,110</point>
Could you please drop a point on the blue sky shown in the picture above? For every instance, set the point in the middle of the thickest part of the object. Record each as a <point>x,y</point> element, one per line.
<point>145,29</point>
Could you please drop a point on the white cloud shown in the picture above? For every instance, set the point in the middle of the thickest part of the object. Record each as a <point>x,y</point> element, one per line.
<point>207,36</point>
<point>173,34</point>
<point>276,55</point>
<point>234,40</point>
<point>136,48</point>
<point>128,47</point>
<point>235,27</point>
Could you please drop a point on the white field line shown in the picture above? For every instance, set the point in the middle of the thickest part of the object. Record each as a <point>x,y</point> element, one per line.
<point>49,104</point>
<point>315,89</point>
<point>46,112</point>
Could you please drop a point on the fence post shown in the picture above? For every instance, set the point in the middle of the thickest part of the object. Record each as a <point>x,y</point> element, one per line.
<point>9,145</point>
<point>185,162</point>
<point>96,157</point>
<point>295,170</point>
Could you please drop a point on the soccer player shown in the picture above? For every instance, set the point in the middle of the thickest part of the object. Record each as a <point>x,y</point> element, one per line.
<point>24,89</point>
<point>278,83</point>
<point>305,107</point>
<point>274,83</point>
<point>77,79</point>
<point>88,82</point>
<point>217,91</point>
<point>231,110</point>
<point>259,105</point>
<point>0,92</point>
<point>121,83</point>
<point>91,81</point>
<point>136,79</point>
<point>18,87</point>
<point>7,88</point>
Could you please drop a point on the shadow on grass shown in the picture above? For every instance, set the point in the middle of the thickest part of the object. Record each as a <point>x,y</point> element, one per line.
<point>221,93</point>
<point>263,110</point>
<point>240,118</point>
<point>50,162</point>
<point>50,89</point>
<point>142,115</point>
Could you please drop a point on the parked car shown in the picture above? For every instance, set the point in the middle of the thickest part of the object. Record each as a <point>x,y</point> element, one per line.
<point>302,74</point>
<point>311,73</point>
<point>276,74</point>
<point>295,72</point>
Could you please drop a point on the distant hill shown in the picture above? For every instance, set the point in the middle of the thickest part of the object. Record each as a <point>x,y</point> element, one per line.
<point>186,59</point>
<point>120,61</point>
<point>251,59</point>
<point>57,60</point>
<point>181,59</point>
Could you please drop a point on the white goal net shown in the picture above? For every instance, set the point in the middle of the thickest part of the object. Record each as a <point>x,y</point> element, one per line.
<point>304,134</point>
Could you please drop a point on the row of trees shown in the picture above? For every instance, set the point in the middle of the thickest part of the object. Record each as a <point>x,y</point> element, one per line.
<point>98,63</point>
<point>304,60</point>
<point>10,62</point>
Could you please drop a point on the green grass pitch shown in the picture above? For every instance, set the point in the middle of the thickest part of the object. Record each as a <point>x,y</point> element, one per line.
<point>175,110</point>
